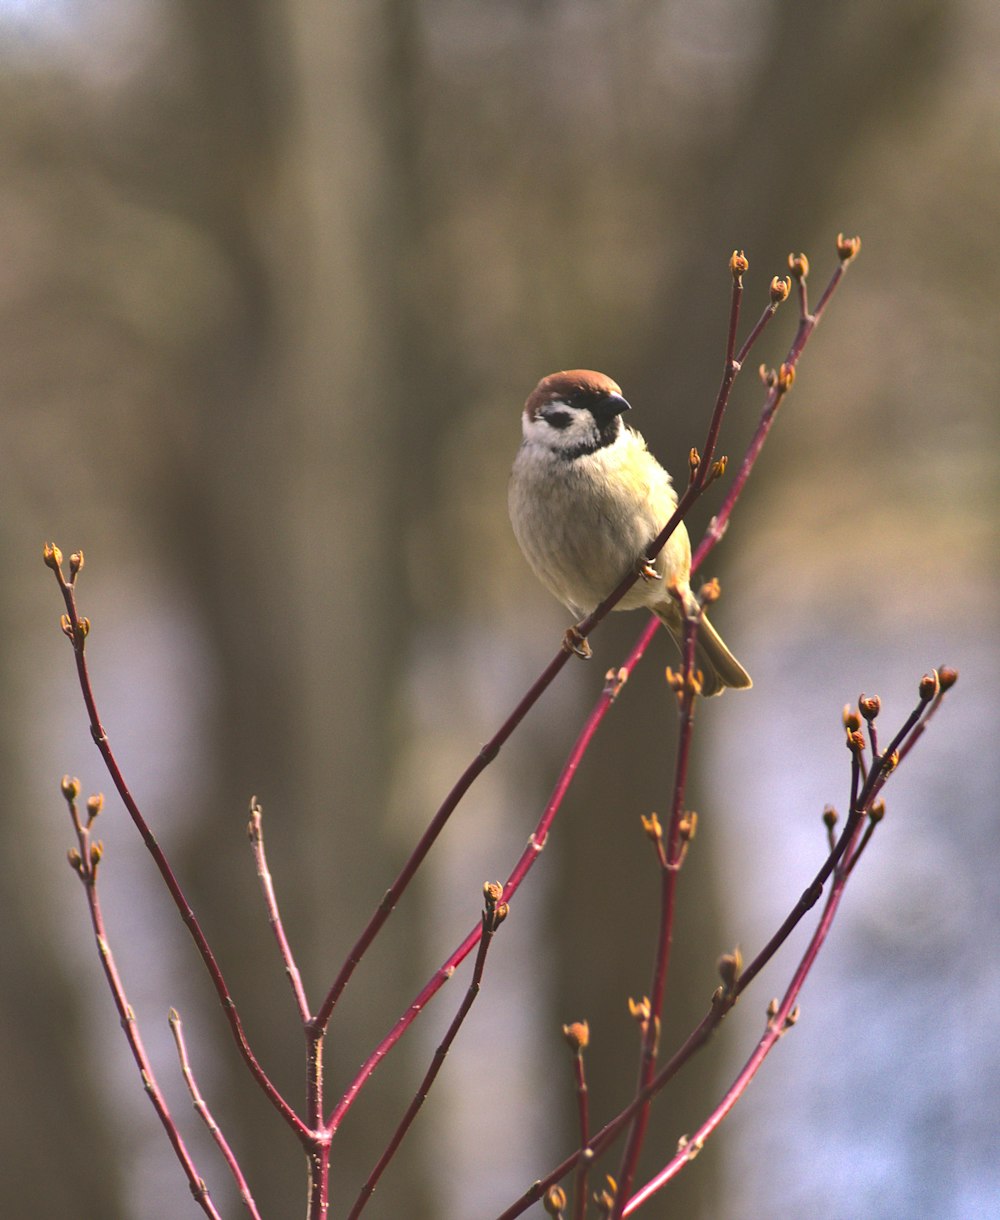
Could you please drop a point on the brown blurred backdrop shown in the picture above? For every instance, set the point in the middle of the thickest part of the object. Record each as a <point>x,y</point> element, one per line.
<point>276,278</point>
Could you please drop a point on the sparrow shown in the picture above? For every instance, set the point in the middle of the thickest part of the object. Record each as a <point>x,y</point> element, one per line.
<point>586,498</point>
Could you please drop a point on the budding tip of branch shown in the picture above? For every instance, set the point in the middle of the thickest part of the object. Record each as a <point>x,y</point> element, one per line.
<point>75,563</point>
<point>730,966</point>
<point>780,288</point>
<point>877,812</point>
<point>930,684</point>
<point>492,892</point>
<point>738,264</point>
<point>651,826</point>
<point>785,378</point>
<point>577,1036</point>
<point>555,1201</point>
<point>947,677</point>
<point>710,591</point>
<point>852,720</point>
<point>847,247</point>
<point>869,706</point>
<point>52,556</point>
<point>830,817</point>
<point>798,265</point>
<point>687,827</point>
<point>70,787</point>
<point>768,376</point>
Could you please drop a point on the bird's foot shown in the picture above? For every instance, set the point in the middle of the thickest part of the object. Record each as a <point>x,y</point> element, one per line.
<point>575,643</point>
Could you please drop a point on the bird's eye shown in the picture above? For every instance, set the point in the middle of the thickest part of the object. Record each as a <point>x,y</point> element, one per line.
<point>558,417</point>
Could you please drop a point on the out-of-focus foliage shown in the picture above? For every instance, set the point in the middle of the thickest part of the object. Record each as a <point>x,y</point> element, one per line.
<point>275,280</point>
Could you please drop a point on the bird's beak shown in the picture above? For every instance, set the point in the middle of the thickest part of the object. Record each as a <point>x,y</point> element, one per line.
<point>608,406</point>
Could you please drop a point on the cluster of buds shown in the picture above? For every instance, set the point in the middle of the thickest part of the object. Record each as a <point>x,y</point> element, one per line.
<point>676,682</point>
<point>52,557</point>
<point>781,379</point>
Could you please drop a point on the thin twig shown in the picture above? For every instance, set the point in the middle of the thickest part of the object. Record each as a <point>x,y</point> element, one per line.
<point>85,861</point>
<point>493,915</point>
<point>201,1106</point>
<point>255,829</point>
<point>837,862</point>
<point>686,691</point>
<point>615,680</point>
<point>779,384</point>
<point>77,629</point>
<point>578,1035</point>
<point>777,1025</point>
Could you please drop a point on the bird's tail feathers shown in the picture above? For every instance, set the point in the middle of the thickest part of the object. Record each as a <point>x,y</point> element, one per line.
<point>719,668</point>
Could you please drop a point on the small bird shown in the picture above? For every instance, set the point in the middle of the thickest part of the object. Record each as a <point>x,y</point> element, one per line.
<point>586,498</point>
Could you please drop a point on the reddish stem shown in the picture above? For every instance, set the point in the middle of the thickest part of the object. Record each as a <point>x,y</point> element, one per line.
<point>536,844</point>
<point>201,1107</point>
<point>669,873</point>
<point>256,832</point>
<point>488,928</point>
<point>583,1117</point>
<point>77,637</point>
<point>776,1027</point>
<point>86,869</point>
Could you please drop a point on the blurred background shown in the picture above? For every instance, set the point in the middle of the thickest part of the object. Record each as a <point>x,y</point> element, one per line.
<point>276,279</point>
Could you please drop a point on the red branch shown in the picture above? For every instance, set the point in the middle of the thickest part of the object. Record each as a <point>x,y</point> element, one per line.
<point>85,861</point>
<point>77,629</point>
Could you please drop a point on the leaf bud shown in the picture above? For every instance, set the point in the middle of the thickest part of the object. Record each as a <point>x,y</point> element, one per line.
<point>555,1201</point>
<point>929,686</point>
<point>651,826</point>
<point>738,264</point>
<point>780,288</point>
<point>52,556</point>
<point>847,247</point>
<point>577,1035</point>
<point>799,265</point>
<point>710,591</point>
<point>730,966</point>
